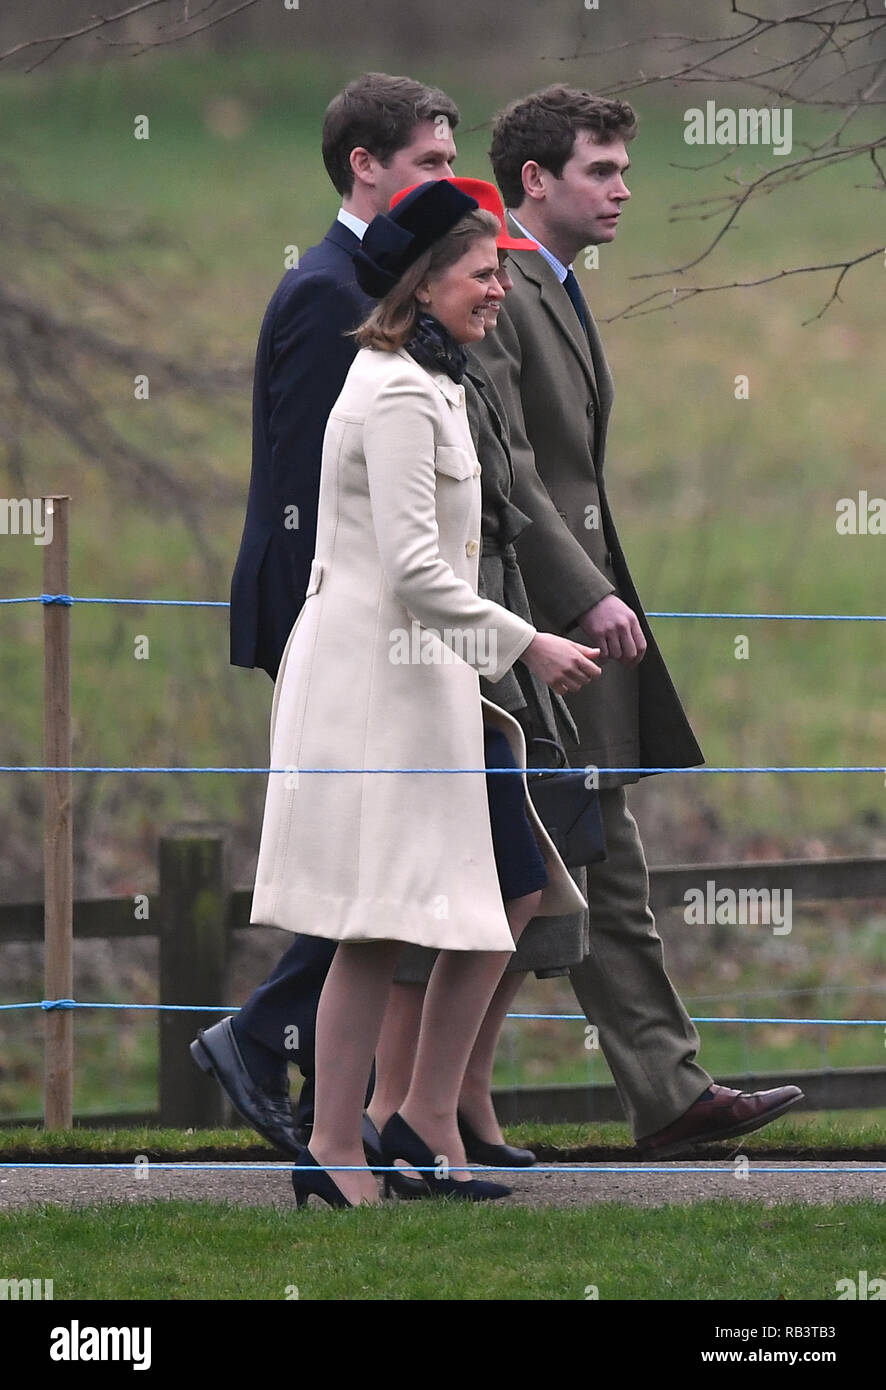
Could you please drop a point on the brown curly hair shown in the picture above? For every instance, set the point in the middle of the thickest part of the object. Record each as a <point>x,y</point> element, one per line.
<point>543,127</point>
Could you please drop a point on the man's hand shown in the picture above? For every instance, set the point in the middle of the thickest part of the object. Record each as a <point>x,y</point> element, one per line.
<point>613,627</point>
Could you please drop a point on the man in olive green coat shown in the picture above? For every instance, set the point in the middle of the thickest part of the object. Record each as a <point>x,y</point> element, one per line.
<point>559,158</point>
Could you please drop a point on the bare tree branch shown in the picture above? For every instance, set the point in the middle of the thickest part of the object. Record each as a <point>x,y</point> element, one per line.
<point>790,173</point>
<point>177,38</point>
<point>60,372</point>
<point>828,57</point>
<point>98,24</point>
<point>668,298</point>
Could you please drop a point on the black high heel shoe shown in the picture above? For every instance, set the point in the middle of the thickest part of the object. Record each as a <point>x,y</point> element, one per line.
<point>496,1155</point>
<point>399,1140</point>
<point>404,1187</point>
<point>316,1184</point>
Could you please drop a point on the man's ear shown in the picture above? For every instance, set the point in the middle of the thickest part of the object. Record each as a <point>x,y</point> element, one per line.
<point>361,162</point>
<point>534,176</point>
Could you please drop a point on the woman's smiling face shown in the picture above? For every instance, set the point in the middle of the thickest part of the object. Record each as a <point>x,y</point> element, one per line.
<point>463,295</point>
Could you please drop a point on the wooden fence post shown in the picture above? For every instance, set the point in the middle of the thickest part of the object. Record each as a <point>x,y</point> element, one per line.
<point>193,967</point>
<point>58,863</point>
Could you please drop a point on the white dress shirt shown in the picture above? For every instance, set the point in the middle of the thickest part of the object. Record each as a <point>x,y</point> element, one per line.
<point>354,224</point>
<point>559,269</point>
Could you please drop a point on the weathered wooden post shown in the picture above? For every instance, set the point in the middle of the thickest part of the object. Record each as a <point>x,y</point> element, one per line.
<point>193,966</point>
<point>58,863</point>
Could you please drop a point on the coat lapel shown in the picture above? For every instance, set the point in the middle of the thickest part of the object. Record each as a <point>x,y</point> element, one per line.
<point>602,374</point>
<point>445,385</point>
<point>343,237</point>
<point>454,394</point>
<point>495,420</point>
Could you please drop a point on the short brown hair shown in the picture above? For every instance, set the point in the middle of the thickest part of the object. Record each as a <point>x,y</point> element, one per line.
<point>380,113</point>
<point>543,127</point>
<point>392,321</point>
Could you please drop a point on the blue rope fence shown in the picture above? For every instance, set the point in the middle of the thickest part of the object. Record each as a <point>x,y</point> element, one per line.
<point>49,1005</point>
<point>68,599</point>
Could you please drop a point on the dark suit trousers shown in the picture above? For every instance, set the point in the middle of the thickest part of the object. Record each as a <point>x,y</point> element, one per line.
<point>645,1033</point>
<point>289,996</point>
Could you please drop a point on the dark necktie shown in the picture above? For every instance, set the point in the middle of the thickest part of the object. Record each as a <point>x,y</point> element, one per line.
<point>570,285</point>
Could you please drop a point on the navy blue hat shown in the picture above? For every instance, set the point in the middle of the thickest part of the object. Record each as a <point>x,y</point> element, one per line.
<point>394,240</point>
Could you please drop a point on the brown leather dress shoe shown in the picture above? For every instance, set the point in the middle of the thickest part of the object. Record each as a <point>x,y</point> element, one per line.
<point>719,1114</point>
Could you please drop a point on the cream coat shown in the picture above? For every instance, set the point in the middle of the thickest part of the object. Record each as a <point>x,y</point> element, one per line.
<point>381,670</point>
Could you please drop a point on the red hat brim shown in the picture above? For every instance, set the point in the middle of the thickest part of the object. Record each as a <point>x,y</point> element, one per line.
<point>474,188</point>
<point>506,242</point>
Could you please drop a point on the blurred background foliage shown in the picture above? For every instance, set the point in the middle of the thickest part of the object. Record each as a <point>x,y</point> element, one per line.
<point>158,256</point>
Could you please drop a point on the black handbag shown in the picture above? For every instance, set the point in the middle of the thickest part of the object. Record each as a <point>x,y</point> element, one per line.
<point>569,810</point>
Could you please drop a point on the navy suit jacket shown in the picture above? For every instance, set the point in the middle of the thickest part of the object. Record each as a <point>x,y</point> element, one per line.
<point>300,368</point>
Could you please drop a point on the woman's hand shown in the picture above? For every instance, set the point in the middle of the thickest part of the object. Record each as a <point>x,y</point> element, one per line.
<point>562,664</point>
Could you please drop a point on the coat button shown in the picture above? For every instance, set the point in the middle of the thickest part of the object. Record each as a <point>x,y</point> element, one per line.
<point>472,547</point>
<point>477,471</point>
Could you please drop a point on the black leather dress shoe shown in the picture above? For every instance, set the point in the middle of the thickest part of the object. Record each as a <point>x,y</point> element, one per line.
<point>216,1052</point>
<point>495,1155</point>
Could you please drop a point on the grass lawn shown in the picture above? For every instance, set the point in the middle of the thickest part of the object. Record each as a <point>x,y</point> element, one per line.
<point>709,1250</point>
<point>420,1251</point>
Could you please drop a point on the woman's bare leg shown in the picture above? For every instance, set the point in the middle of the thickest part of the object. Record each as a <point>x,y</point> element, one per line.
<point>349,1019</point>
<point>475,1100</point>
<point>398,1044</point>
<point>395,1054</point>
<point>458,995</point>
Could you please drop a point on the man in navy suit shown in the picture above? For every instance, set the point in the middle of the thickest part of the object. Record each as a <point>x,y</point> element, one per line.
<point>380,134</point>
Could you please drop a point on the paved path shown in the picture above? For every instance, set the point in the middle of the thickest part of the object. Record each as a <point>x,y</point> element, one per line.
<point>639,1186</point>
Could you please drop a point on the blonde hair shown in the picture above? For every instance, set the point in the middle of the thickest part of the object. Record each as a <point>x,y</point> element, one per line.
<point>392,321</point>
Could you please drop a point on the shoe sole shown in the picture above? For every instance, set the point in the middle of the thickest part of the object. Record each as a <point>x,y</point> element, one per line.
<point>203,1057</point>
<point>688,1146</point>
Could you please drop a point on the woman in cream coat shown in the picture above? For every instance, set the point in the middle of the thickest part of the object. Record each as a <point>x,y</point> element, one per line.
<point>381,673</point>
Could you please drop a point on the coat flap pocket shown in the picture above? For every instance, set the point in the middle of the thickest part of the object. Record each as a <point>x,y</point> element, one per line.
<point>454,462</point>
<point>315,578</point>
